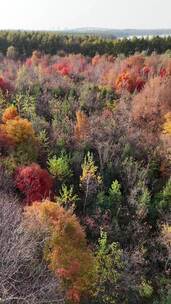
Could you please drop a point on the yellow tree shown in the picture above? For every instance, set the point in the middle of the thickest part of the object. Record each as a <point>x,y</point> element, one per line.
<point>90,179</point>
<point>20,130</point>
<point>21,133</point>
<point>167,124</point>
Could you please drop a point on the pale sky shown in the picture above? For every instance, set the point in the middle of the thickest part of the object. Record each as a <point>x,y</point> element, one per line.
<point>59,14</point>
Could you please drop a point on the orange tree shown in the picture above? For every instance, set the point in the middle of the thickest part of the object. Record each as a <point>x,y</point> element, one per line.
<point>10,113</point>
<point>21,133</point>
<point>65,250</point>
<point>82,126</point>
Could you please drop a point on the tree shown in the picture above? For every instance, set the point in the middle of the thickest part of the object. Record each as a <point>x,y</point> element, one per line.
<point>90,179</point>
<point>167,124</point>
<point>63,69</point>
<point>166,240</point>
<point>82,126</point>
<point>65,250</point>
<point>67,197</point>
<point>129,81</point>
<point>148,110</point>
<point>34,182</point>
<point>21,133</point>
<point>11,53</point>
<point>5,143</point>
<point>166,139</point>
<point>24,275</point>
<point>145,290</point>
<point>5,86</point>
<point>19,130</point>
<point>109,270</point>
<point>10,113</point>
<point>36,57</point>
<point>163,199</point>
<point>113,200</point>
<point>60,167</point>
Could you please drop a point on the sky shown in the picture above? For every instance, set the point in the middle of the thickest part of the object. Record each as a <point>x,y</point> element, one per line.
<point>69,14</point>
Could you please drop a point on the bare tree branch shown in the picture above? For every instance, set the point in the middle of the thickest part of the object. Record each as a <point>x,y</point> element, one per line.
<point>24,276</point>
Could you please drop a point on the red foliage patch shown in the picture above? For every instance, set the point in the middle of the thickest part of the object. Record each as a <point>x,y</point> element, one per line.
<point>28,62</point>
<point>73,295</point>
<point>146,70</point>
<point>139,84</point>
<point>34,182</point>
<point>162,72</point>
<point>62,68</point>
<point>5,86</point>
<point>130,82</point>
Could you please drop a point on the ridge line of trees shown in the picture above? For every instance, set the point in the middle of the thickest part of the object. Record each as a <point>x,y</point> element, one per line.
<point>52,43</point>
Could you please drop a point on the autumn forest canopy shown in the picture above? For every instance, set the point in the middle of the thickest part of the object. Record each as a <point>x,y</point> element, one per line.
<point>85,169</point>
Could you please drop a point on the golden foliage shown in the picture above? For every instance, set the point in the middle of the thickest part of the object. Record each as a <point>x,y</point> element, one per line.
<point>9,113</point>
<point>89,170</point>
<point>82,126</point>
<point>167,124</point>
<point>20,130</point>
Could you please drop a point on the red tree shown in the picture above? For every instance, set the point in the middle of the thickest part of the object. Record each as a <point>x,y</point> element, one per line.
<point>34,182</point>
<point>129,81</point>
<point>5,86</point>
<point>63,69</point>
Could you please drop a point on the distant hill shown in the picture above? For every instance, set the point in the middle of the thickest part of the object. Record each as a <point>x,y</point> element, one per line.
<point>118,33</point>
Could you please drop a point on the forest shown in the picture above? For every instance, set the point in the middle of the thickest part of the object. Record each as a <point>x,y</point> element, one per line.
<point>89,44</point>
<point>85,175</point>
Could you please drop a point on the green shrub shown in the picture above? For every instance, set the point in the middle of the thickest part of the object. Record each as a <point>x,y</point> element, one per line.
<point>109,268</point>
<point>145,289</point>
<point>67,197</point>
<point>163,198</point>
<point>59,167</point>
<point>111,200</point>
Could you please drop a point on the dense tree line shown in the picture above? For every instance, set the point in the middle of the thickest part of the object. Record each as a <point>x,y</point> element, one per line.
<point>26,42</point>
